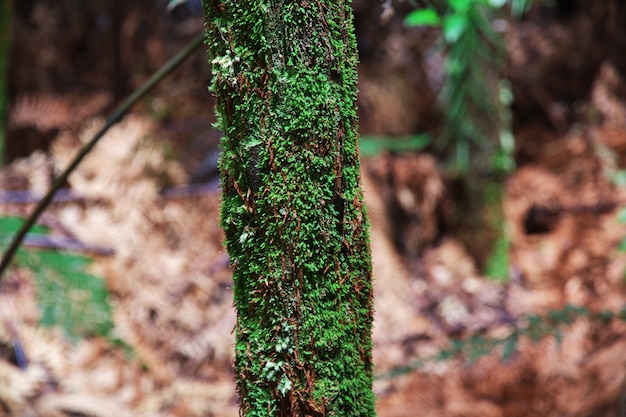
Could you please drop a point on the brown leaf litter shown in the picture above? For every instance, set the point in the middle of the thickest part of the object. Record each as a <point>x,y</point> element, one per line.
<point>172,296</point>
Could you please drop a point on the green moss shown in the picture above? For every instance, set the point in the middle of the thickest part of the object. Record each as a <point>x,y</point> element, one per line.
<point>284,74</point>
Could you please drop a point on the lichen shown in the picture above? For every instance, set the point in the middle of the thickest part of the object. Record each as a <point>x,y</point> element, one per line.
<point>284,74</point>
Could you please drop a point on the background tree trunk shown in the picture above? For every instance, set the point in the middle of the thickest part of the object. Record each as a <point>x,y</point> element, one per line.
<point>6,28</point>
<point>285,78</point>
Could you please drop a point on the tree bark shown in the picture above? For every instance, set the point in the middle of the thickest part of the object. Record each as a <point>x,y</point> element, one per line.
<point>284,73</point>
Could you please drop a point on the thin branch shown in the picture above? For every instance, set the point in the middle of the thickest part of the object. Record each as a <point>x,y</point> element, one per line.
<point>113,119</point>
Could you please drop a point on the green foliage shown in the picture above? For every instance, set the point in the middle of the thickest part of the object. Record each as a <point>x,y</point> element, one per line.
<point>618,178</point>
<point>621,218</point>
<point>474,101</point>
<point>498,263</point>
<point>476,135</point>
<point>70,297</point>
<point>12,224</point>
<point>533,326</point>
<point>519,7</point>
<point>373,145</point>
<point>423,17</point>
<point>67,294</point>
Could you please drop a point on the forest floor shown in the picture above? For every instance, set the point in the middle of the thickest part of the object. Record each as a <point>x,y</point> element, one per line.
<point>448,341</point>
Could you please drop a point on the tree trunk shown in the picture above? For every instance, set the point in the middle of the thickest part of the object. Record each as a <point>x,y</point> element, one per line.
<point>6,29</point>
<point>284,73</point>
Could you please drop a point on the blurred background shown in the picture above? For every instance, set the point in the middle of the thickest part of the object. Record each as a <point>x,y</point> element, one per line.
<point>493,137</point>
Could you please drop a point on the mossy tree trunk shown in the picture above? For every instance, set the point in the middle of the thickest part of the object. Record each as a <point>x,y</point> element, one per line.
<point>284,73</point>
